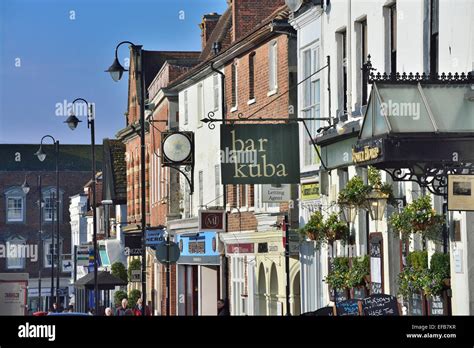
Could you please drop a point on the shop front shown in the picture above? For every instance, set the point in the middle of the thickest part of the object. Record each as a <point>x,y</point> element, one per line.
<point>198,273</point>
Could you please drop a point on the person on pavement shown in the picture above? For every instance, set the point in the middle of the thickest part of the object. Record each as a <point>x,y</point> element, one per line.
<point>123,310</point>
<point>137,310</point>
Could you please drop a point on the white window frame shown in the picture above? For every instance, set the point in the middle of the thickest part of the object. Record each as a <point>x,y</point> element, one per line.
<point>47,194</point>
<point>273,68</point>
<point>201,188</point>
<point>236,87</point>
<point>313,106</point>
<point>20,262</point>
<point>186,107</point>
<point>200,104</point>
<point>47,252</point>
<point>15,199</point>
<point>261,207</point>
<point>238,304</point>
<point>215,86</point>
<point>217,187</point>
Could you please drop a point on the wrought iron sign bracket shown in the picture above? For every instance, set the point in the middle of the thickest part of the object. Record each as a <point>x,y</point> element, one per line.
<point>433,178</point>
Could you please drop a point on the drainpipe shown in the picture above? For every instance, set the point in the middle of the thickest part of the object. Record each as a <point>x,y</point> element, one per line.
<point>225,282</point>
<point>349,59</point>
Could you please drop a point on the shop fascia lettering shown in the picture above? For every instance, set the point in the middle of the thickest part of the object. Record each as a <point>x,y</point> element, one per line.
<point>261,168</point>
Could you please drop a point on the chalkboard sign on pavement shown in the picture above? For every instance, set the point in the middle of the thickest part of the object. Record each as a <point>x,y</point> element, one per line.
<point>415,304</point>
<point>347,308</point>
<point>438,305</point>
<point>380,305</point>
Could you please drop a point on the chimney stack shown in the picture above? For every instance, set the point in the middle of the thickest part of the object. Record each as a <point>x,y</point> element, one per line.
<point>207,26</point>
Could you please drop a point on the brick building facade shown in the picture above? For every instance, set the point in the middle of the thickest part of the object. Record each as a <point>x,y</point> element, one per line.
<point>19,212</point>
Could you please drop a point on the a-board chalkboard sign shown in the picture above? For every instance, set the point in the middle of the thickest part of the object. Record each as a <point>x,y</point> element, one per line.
<point>347,308</point>
<point>437,305</point>
<point>321,312</point>
<point>380,305</point>
<point>415,304</point>
<point>376,263</point>
<point>341,295</point>
<point>359,293</point>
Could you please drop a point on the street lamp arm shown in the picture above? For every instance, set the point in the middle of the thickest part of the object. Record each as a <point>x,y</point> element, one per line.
<point>48,136</point>
<point>80,99</point>
<point>120,44</point>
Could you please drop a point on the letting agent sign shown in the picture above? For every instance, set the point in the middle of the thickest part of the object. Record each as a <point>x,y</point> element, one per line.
<point>260,154</point>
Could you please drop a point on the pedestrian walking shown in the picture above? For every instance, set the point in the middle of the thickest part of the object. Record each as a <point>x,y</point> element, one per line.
<point>123,310</point>
<point>137,310</point>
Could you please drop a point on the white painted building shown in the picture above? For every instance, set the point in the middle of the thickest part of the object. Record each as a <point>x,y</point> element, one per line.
<point>200,280</point>
<point>430,36</point>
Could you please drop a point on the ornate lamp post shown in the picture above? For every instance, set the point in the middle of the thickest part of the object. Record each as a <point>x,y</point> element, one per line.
<point>55,200</point>
<point>116,71</point>
<point>72,121</point>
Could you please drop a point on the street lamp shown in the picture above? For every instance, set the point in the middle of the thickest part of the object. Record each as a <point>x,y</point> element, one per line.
<point>25,187</point>
<point>72,121</point>
<point>42,156</point>
<point>40,231</point>
<point>116,71</point>
<point>377,202</point>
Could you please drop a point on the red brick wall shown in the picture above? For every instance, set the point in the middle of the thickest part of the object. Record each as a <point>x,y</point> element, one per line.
<point>247,14</point>
<point>277,109</point>
<point>173,290</point>
<point>71,183</point>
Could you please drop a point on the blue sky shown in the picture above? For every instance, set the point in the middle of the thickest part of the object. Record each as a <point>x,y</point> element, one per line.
<point>49,54</point>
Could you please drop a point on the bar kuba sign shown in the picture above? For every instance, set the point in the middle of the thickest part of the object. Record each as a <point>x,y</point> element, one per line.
<point>275,150</point>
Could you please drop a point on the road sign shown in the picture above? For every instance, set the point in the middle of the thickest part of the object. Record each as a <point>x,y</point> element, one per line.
<point>162,253</point>
<point>82,256</point>
<point>66,266</point>
<point>136,276</point>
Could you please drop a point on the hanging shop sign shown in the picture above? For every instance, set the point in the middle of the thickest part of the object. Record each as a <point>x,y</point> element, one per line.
<point>310,192</point>
<point>133,244</point>
<point>198,248</point>
<point>276,193</point>
<point>260,154</point>
<point>154,237</point>
<point>461,192</point>
<point>212,220</point>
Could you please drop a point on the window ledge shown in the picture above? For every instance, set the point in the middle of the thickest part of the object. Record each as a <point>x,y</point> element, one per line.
<point>272,92</point>
<point>251,101</point>
<point>233,109</point>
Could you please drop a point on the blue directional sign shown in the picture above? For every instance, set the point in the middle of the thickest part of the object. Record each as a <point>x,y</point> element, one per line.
<point>154,237</point>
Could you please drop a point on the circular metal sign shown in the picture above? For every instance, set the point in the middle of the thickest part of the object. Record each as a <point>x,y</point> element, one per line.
<point>162,253</point>
<point>177,147</point>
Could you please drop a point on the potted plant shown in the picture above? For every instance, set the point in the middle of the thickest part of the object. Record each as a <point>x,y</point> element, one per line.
<point>336,229</point>
<point>314,228</point>
<point>337,277</point>
<point>418,217</point>
<point>359,275</point>
<point>354,194</point>
<point>413,277</point>
<point>440,265</point>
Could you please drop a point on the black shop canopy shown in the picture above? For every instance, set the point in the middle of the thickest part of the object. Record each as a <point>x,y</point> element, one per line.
<point>418,131</point>
<point>105,280</point>
<point>416,124</point>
